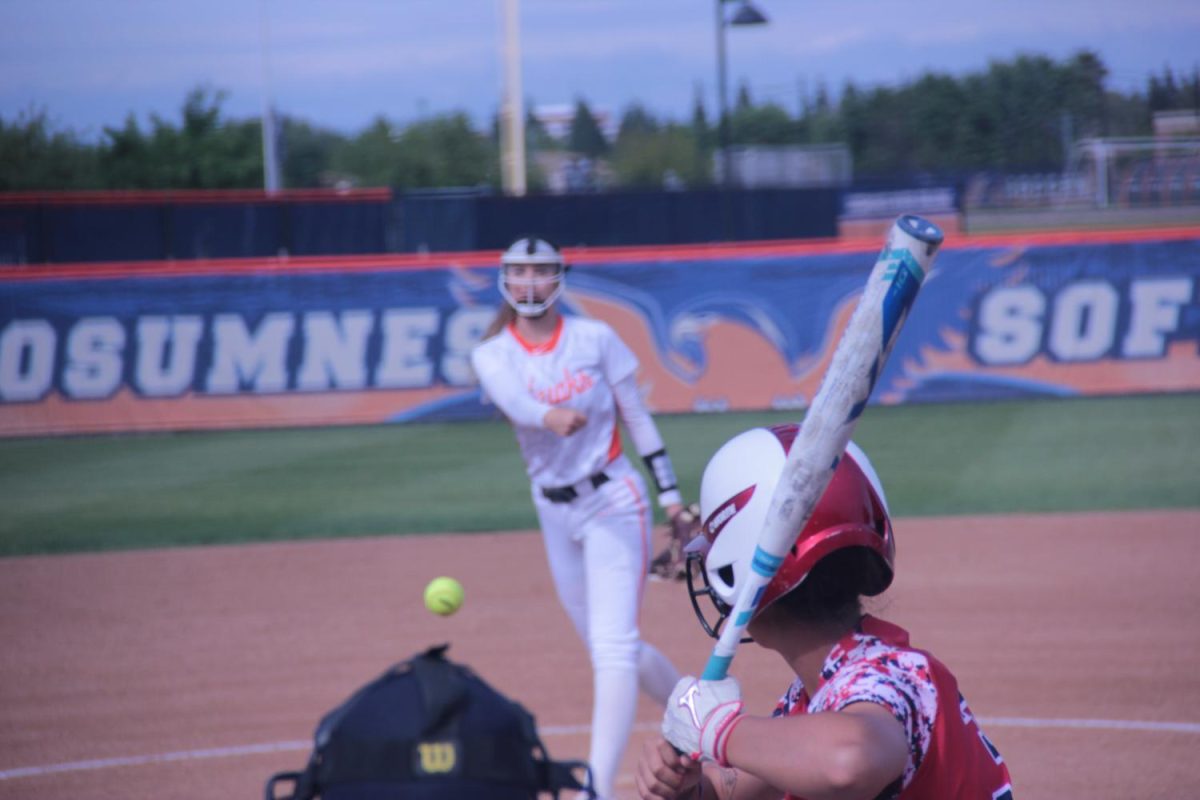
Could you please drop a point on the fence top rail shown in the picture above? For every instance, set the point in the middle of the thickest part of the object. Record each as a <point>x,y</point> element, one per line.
<point>192,197</point>
<point>583,257</point>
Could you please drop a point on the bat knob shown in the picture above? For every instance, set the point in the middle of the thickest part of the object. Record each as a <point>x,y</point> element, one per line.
<point>921,229</point>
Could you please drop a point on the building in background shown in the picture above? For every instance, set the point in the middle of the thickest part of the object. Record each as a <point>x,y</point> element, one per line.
<point>786,166</point>
<point>557,118</point>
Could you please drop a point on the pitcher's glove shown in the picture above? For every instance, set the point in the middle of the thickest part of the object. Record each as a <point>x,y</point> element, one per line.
<point>671,563</point>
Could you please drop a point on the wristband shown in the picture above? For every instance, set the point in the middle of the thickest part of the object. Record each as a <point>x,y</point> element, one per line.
<point>721,746</point>
<point>659,465</point>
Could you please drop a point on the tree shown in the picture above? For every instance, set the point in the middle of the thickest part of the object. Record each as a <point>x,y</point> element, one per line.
<point>1168,93</point>
<point>822,123</point>
<point>879,129</point>
<point>307,154</point>
<point>585,136</point>
<point>636,121</point>
<point>637,155</point>
<point>122,160</point>
<point>701,129</point>
<point>371,157</point>
<point>743,101</point>
<point>703,139</point>
<point>766,124</point>
<point>649,158</point>
<point>1015,115</point>
<point>442,151</point>
<point>461,156</point>
<point>1084,97</point>
<point>537,138</point>
<point>33,156</point>
<point>936,141</point>
<point>205,152</point>
<point>1163,94</point>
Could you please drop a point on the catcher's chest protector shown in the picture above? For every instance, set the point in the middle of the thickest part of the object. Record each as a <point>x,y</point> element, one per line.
<point>429,729</point>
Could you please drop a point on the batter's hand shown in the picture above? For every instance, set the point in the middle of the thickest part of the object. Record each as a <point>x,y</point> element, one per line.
<point>700,716</point>
<point>564,421</point>
<point>663,773</point>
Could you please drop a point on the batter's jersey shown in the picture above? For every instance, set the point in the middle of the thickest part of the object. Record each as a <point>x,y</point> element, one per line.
<point>949,758</point>
<point>576,369</point>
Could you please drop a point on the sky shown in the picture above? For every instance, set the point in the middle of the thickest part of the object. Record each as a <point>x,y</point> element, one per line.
<point>340,64</point>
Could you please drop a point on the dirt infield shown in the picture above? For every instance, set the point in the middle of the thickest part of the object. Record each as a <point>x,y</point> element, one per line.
<point>196,673</point>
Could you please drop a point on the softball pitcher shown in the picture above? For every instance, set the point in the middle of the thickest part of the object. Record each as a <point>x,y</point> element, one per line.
<point>563,381</point>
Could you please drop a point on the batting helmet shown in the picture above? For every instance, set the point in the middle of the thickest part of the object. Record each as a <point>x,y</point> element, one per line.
<point>735,493</point>
<point>520,288</point>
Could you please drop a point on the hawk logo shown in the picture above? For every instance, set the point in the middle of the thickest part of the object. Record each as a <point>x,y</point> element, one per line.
<point>436,758</point>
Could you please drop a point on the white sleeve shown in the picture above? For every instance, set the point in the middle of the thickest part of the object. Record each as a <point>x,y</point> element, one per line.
<point>619,361</point>
<point>646,440</point>
<point>638,421</point>
<point>501,386</point>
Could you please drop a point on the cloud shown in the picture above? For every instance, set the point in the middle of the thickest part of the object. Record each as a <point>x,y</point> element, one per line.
<point>322,54</point>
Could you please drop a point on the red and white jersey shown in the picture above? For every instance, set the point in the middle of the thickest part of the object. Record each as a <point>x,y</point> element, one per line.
<point>948,755</point>
<point>576,368</point>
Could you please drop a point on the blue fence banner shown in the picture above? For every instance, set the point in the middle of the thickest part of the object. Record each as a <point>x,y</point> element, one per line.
<point>227,344</point>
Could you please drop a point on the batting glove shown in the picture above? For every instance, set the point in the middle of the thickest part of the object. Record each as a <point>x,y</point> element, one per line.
<point>700,716</point>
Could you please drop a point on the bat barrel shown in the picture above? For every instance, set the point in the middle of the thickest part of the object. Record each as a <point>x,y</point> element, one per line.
<point>856,363</point>
<point>921,229</point>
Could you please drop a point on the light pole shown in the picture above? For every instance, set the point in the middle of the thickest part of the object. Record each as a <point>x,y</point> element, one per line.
<point>271,179</point>
<point>512,112</point>
<point>746,14</point>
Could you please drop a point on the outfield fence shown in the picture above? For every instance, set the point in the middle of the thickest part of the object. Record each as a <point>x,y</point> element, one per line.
<point>300,342</point>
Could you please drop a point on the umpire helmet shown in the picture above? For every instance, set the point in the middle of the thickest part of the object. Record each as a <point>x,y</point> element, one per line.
<point>735,493</point>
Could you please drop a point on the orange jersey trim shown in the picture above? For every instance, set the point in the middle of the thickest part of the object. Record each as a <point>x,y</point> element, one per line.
<point>539,348</point>
<point>614,448</point>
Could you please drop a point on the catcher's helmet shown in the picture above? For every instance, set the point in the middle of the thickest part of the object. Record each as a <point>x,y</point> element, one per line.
<point>735,493</point>
<point>521,290</point>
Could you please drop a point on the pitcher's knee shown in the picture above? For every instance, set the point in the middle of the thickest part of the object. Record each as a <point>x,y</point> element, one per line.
<point>615,652</point>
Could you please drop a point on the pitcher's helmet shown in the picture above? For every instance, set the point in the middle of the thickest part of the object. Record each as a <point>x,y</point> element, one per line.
<point>735,493</point>
<point>520,292</point>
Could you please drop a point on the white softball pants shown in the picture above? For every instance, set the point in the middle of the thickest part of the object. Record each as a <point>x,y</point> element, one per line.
<point>598,548</point>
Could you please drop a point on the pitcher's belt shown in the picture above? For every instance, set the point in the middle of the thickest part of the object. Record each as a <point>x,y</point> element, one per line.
<point>565,494</point>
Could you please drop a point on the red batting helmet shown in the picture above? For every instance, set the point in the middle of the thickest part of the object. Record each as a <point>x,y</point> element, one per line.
<point>735,493</point>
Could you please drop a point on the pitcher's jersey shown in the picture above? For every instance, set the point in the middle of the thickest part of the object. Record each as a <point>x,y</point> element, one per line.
<point>576,368</point>
<point>949,758</point>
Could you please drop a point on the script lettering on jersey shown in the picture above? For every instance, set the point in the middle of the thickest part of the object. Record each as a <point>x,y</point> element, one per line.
<point>570,386</point>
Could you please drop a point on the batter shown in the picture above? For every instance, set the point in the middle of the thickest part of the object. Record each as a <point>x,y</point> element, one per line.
<point>868,715</point>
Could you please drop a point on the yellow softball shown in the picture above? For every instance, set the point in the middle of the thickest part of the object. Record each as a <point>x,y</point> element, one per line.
<point>444,596</point>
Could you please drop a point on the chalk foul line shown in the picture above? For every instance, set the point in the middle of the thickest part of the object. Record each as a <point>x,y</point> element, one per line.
<point>545,731</point>
<point>137,761</point>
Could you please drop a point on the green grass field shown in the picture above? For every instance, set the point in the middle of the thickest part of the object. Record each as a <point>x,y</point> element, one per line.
<point>116,492</point>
